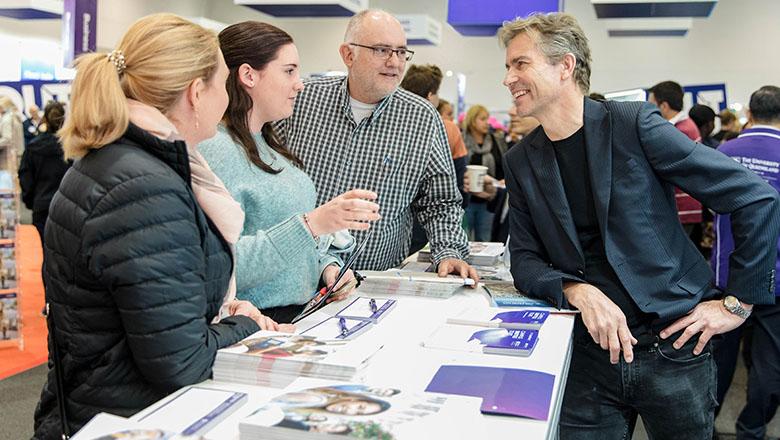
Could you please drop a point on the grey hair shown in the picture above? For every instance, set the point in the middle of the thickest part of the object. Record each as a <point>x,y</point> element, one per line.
<point>555,35</point>
<point>355,25</point>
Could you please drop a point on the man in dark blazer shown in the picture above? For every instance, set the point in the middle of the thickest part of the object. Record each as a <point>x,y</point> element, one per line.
<point>593,226</point>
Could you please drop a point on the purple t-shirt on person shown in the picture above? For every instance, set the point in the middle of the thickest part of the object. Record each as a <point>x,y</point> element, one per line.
<point>758,149</point>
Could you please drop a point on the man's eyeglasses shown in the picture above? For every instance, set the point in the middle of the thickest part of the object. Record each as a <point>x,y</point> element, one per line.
<point>386,52</point>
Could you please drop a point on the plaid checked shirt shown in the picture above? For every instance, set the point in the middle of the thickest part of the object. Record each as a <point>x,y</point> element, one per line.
<point>400,151</point>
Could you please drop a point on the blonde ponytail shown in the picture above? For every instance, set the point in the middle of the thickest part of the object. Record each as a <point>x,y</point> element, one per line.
<point>99,113</point>
<point>162,55</point>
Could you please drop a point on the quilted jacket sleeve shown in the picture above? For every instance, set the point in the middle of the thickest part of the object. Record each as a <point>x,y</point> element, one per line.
<point>143,242</point>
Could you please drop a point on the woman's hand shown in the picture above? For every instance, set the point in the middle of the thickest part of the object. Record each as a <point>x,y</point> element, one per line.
<point>351,210</point>
<point>347,283</point>
<point>246,308</point>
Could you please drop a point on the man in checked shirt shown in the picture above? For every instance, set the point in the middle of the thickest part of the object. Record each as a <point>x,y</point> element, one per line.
<point>363,131</point>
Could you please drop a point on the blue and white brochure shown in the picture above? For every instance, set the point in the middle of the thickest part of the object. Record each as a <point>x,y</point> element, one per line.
<point>500,318</point>
<point>372,309</point>
<point>513,342</point>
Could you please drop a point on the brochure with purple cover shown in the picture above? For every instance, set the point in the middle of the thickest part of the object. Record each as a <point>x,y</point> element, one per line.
<point>504,391</point>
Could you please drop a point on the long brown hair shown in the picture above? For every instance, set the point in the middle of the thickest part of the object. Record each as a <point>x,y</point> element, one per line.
<point>163,54</point>
<point>256,44</point>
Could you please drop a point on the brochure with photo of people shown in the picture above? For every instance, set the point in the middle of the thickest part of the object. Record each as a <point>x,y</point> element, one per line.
<point>346,410</point>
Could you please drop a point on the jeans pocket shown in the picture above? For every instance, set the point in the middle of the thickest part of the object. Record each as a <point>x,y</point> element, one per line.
<point>683,355</point>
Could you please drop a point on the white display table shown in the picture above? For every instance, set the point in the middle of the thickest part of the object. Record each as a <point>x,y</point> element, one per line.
<point>403,363</point>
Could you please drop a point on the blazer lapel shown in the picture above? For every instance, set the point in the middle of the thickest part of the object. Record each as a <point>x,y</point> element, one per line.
<point>544,165</point>
<point>598,147</point>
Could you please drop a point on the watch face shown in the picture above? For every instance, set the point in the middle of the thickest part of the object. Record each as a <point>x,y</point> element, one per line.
<point>730,302</point>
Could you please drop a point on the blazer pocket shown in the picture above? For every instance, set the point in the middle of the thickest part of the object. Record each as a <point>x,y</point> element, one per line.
<point>696,279</point>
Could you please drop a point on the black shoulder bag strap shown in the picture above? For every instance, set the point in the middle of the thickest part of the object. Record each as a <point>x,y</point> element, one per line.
<point>58,375</point>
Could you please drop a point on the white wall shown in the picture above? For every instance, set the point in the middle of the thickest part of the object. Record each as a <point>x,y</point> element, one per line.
<point>736,45</point>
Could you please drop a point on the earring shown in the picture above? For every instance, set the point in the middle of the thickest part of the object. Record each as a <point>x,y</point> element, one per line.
<point>197,120</point>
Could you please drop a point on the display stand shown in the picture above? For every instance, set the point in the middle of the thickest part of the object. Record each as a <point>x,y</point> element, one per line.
<point>10,300</point>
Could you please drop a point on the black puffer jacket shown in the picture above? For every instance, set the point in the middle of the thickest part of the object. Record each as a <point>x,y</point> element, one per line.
<point>135,272</point>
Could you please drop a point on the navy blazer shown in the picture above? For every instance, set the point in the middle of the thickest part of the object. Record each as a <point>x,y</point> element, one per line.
<point>635,159</point>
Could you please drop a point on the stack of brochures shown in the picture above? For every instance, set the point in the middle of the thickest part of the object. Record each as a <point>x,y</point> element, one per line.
<point>339,409</point>
<point>480,253</point>
<point>275,359</point>
<point>402,282</point>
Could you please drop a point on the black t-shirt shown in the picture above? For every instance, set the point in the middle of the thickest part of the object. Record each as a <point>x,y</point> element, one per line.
<point>573,167</point>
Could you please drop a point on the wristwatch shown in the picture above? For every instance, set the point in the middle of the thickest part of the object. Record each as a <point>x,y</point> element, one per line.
<point>732,304</point>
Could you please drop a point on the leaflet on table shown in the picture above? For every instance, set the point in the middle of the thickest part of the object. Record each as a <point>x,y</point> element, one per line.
<point>498,318</point>
<point>504,391</point>
<point>479,339</point>
<point>194,410</point>
<point>339,409</point>
<point>504,294</point>
<point>109,427</point>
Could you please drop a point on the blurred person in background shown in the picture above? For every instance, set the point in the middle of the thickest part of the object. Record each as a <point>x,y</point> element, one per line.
<point>445,110</point>
<point>704,118</point>
<point>485,148</point>
<point>729,126</point>
<point>30,125</point>
<point>11,135</point>
<point>43,166</point>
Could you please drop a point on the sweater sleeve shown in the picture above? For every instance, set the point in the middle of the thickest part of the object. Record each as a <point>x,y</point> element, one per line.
<point>261,256</point>
<point>142,242</point>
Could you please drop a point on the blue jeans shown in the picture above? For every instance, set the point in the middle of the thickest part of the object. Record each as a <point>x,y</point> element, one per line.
<point>479,221</point>
<point>763,393</point>
<point>673,391</point>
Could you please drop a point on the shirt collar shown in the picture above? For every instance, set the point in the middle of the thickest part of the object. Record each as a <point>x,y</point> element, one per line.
<point>680,116</point>
<point>346,107</point>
